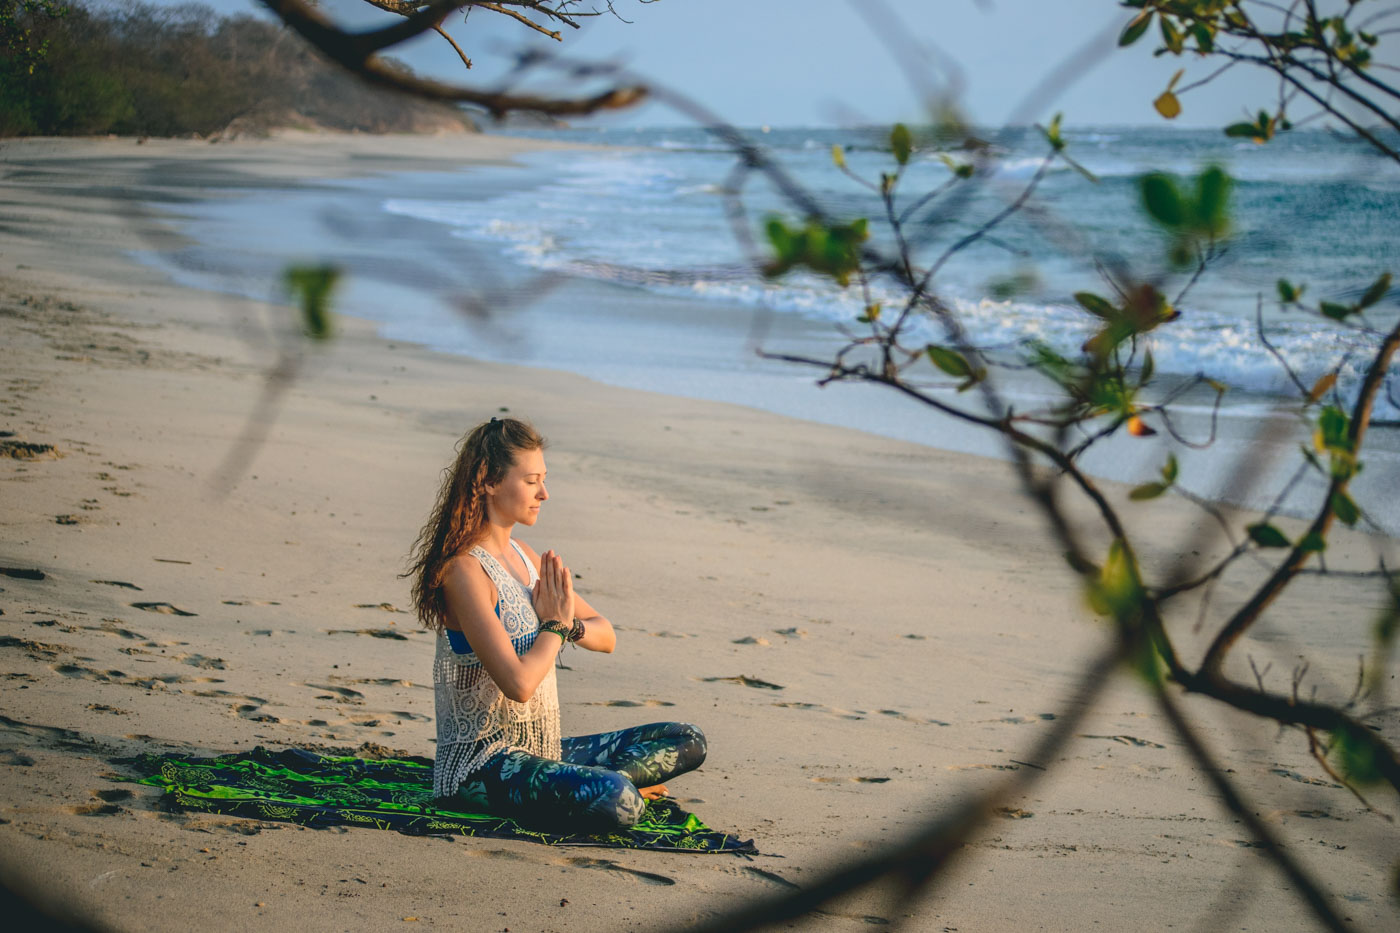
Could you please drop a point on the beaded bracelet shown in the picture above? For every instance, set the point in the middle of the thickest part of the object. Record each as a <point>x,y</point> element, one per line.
<point>576,631</point>
<point>556,627</point>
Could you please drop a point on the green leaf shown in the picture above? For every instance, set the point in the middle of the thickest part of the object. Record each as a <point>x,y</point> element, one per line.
<point>1147,491</point>
<point>1161,199</point>
<point>838,156</point>
<point>1212,193</point>
<point>950,361</point>
<point>1356,755</point>
<point>1118,591</point>
<point>1242,130</point>
<point>1171,38</point>
<point>1288,292</point>
<point>1332,427</point>
<point>782,240</point>
<point>1376,292</point>
<point>1170,470</point>
<point>1149,366</point>
<point>1134,30</point>
<point>311,287</point>
<point>1344,508</point>
<point>1335,311</point>
<point>960,169</point>
<point>1266,535</point>
<point>1096,306</point>
<point>1312,541</point>
<point>901,143</point>
<point>1205,38</point>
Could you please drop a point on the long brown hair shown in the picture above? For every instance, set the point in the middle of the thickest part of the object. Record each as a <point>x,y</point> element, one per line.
<point>458,519</point>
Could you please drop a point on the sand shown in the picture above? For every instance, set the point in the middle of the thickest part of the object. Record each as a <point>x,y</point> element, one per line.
<point>867,630</point>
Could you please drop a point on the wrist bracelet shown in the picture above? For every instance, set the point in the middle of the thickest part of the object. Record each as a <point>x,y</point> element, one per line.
<point>577,631</point>
<point>555,627</point>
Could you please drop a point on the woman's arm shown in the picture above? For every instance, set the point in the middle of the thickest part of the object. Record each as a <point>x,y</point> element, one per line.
<point>598,634</point>
<point>471,598</point>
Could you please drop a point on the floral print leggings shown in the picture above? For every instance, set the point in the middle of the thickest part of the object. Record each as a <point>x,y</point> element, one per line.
<point>594,787</point>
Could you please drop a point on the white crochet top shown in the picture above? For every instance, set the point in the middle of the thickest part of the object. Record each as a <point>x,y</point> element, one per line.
<point>474,719</point>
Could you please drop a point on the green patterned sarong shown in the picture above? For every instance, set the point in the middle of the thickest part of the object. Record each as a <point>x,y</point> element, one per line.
<point>396,793</point>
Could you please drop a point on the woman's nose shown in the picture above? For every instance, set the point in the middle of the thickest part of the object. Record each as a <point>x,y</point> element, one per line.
<point>543,494</point>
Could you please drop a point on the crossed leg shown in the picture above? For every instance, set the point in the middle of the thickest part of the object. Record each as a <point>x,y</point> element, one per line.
<point>595,788</point>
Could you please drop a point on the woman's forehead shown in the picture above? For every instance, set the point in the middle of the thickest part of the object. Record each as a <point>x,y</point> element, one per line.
<point>528,461</point>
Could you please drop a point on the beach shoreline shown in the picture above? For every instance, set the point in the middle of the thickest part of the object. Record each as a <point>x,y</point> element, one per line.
<point>910,614</point>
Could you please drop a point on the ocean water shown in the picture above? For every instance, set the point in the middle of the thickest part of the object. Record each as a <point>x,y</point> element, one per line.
<point>666,294</point>
<point>1311,206</point>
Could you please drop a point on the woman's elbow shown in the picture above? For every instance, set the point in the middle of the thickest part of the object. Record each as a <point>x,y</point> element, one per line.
<point>518,691</point>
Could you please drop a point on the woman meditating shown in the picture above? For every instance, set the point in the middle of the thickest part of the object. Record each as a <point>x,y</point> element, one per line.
<point>502,614</point>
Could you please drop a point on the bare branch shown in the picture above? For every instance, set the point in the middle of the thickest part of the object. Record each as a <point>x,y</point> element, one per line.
<point>1360,418</point>
<point>355,53</point>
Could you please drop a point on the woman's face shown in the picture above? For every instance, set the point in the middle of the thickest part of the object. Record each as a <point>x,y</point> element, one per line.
<point>516,498</point>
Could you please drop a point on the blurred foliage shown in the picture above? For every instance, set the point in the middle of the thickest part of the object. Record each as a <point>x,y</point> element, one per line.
<point>311,287</point>
<point>827,249</point>
<point>142,70</point>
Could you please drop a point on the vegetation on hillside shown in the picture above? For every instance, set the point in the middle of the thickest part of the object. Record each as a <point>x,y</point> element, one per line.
<point>134,69</point>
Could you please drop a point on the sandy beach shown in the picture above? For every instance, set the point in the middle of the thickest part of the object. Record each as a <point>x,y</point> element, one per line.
<point>868,630</point>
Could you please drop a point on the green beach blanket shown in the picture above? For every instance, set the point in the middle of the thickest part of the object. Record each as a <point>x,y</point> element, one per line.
<point>397,793</point>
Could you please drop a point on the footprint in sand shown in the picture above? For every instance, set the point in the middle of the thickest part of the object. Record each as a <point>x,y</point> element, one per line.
<point>630,703</point>
<point>771,877</point>
<point>371,632</point>
<point>251,602</point>
<point>201,661</point>
<point>344,693</point>
<point>850,780</point>
<point>92,809</point>
<point>1124,739</point>
<point>645,877</point>
<point>386,607</point>
<point>26,450</point>
<point>379,682</point>
<point>121,583</point>
<point>156,682</point>
<point>820,708</point>
<point>750,640</point>
<point>38,650</point>
<point>163,609</point>
<point>1303,778</point>
<point>114,627</point>
<point>905,717</point>
<point>22,573</point>
<point>250,710</point>
<point>744,680</point>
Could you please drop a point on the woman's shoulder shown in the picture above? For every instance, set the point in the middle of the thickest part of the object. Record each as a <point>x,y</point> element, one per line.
<point>465,569</point>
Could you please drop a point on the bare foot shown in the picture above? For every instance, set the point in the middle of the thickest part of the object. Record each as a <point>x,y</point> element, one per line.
<point>654,792</point>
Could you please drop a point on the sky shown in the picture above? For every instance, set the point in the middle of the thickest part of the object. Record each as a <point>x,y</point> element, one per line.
<point>820,62</point>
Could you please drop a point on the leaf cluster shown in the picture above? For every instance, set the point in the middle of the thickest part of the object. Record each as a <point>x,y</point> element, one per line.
<point>1195,215</point>
<point>829,249</point>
